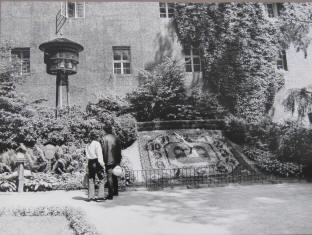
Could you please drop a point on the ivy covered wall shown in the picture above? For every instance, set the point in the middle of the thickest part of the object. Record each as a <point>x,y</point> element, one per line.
<point>240,45</point>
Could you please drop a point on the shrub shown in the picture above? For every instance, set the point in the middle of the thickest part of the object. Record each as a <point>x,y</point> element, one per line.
<point>7,186</point>
<point>266,161</point>
<point>161,95</point>
<point>159,92</point>
<point>114,112</point>
<point>295,143</point>
<point>263,134</point>
<point>236,130</point>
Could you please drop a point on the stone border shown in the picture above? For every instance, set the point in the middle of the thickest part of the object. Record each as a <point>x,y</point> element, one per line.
<point>75,217</point>
<point>209,124</point>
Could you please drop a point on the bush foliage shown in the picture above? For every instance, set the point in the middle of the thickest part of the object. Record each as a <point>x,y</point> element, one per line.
<point>284,149</point>
<point>266,161</point>
<point>161,95</point>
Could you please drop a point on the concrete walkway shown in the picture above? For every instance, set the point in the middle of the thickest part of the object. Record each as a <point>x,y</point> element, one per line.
<point>234,209</point>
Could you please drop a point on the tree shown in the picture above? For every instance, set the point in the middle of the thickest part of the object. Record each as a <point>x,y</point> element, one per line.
<point>161,95</point>
<point>294,25</point>
<point>239,46</point>
<point>299,100</point>
<point>13,114</point>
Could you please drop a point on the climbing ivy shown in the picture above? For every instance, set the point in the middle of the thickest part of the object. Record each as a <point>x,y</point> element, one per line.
<point>240,45</point>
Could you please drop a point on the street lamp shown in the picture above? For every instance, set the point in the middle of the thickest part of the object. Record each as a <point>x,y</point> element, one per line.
<point>61,57</point>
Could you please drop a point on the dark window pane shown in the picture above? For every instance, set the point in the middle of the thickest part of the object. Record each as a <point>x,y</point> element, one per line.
<point>162,10</point>
<point>196,60</point>
<point>163,13</point>
<point>187,51</point>
<point>188,68</point>
<point>117,71</point>
<point>270,10</point>
<point>26,53</point>
<point>188,60</point>
<point>170,10</point>
<point>162,5</point>
<point>117,55</point>
<point>196,67</point>
<point>25,67</point>
<point>284,60</point>
<point>280,64</point>
<point>279,8</point>
<point>125,55</point>
<point>117,68</point>
<point>117,65</point>
<point>196,51</point>
<point>126,67</point>
<point>280,61</point>
<point>188,65</point>
<point>16,53</point>
<point>71,9</point>
<point>80,9</point>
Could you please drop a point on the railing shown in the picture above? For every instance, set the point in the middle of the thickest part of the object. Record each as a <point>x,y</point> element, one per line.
<point>155,179</point>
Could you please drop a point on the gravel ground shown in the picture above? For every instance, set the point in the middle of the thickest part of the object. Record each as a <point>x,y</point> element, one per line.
<point>234,209</point>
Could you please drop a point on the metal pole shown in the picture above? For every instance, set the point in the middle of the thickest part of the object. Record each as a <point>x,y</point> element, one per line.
<point>56,94</point>
<point>67,93</point>
<point>20,187</point>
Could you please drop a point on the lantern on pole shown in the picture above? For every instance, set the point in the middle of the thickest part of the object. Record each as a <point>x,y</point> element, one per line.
<point>20,160</point>
<point>61,57</point>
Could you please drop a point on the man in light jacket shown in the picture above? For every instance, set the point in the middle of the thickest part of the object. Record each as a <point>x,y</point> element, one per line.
<point>111,147</point>
<point>95,165</point>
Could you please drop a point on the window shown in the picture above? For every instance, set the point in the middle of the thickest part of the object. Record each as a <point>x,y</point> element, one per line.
<point>166,10</point>
<point>274,9</point>
<point>73,9</point>
<point>192,60</point>
<point>282,61</point>
<point>121,58</point>
<point>22,62</point>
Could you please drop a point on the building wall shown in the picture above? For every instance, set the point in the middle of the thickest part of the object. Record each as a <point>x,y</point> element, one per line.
<point>299,75</point>
<point>106,24</point>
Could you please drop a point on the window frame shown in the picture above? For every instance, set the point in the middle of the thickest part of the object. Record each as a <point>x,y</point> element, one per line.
<point>276,9</point>
<point>65,10</point>
<point>19,52</point>
<point>281,61</point>
<point>166,14</point>
<point>122,62</point>
<point>191,58</point>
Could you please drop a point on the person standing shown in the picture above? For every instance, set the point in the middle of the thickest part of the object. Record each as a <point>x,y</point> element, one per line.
<point>95,166</point>
<point>112,156</point>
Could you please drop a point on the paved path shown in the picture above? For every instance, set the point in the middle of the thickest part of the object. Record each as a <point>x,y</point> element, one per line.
<point>234,209</point>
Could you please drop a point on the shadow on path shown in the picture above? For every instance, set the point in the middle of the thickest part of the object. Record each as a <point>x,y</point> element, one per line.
<point>249,209</point>
<point>80,198</point>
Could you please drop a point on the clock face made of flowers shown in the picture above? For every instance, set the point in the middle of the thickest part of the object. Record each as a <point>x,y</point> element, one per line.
<point>172,149</point>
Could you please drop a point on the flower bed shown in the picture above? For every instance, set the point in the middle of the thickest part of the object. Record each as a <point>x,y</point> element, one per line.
<point>75,217</point>
<point>45,182</point>
<point>268,162</point>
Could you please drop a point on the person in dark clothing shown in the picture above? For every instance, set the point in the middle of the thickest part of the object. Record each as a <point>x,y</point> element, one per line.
<point>112,156</point>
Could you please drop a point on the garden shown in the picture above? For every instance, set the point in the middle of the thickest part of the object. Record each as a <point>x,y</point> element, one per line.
<point>240,81</point>
<point>239,95</point>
